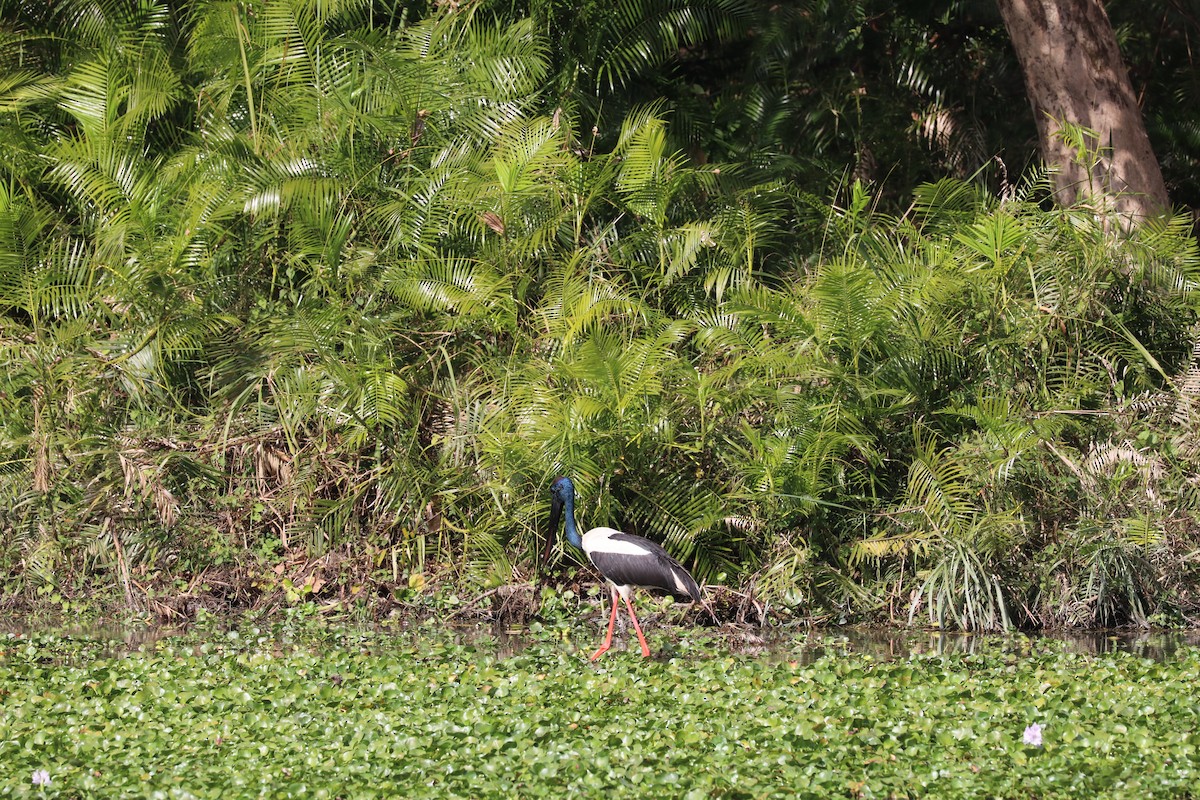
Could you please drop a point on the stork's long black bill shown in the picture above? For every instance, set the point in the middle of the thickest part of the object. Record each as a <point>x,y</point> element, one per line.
<point>556,507</point>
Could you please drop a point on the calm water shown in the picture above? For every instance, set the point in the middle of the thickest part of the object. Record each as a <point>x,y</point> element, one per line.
<point>898,643</point>
<point>782,643</point>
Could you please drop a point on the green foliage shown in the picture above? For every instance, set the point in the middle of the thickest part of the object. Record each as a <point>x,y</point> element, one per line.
<point>243,713</point>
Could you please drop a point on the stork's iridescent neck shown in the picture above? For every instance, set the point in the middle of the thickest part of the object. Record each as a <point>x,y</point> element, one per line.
<point>564,492</point>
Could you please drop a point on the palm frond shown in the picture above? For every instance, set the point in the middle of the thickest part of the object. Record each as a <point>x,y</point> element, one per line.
<point>471,290</point>
<point>939,485</point>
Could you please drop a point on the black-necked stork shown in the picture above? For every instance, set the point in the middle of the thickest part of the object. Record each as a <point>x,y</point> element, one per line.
<point>624,560</point>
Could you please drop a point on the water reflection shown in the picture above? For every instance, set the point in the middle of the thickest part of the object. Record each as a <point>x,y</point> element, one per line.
<point>899,643</point>
<point>804,645</point>
<point>103,640</point>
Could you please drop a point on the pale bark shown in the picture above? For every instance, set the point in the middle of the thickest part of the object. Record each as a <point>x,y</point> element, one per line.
<point>1074,74</point>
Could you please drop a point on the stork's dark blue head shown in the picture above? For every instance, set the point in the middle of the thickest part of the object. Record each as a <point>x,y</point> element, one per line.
<point>562,489</point>
<point>562,495</point>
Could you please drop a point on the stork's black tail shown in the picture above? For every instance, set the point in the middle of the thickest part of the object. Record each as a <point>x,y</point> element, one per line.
<point>693,589</point>
<point>685,586</point>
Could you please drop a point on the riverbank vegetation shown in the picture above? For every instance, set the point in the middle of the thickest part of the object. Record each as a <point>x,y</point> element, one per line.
<point>309,303</point>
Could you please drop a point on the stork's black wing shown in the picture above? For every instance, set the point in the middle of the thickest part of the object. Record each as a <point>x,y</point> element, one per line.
<point>655,569</point>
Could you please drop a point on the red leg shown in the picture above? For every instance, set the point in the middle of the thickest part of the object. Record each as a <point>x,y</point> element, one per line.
<point>638,628</point>
<point>612,621</point>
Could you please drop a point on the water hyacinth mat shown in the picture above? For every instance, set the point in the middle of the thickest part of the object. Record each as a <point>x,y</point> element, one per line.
<point>378,716</point>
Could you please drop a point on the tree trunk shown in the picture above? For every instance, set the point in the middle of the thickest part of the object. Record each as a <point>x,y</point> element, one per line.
<point>1082,99</point>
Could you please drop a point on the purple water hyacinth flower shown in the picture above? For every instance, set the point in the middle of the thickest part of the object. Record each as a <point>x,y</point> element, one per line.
<point>41,777</point>
<point>1033,735</point>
